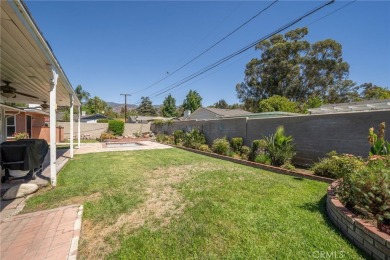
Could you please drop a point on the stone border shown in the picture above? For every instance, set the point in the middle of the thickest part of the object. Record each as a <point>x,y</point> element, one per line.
<point>259,165</point>
<point>72,255</point>
<point>364,235</point>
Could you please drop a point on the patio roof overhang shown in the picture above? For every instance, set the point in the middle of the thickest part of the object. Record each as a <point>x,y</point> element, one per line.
<point>27,60</point>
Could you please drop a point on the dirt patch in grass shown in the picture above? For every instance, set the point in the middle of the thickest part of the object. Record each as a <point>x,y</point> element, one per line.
<point>163,203</point>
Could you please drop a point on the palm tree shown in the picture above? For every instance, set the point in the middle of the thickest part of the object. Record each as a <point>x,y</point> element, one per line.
<point>81,94</point>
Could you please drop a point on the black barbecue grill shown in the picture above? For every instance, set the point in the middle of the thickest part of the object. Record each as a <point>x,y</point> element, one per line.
<point>24,155</point>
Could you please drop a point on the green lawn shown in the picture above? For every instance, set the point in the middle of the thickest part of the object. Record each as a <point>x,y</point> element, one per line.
<point>173,204</point>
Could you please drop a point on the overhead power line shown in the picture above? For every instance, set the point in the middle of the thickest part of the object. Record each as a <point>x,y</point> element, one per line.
<point>209,48</point>
<point>219,62</point>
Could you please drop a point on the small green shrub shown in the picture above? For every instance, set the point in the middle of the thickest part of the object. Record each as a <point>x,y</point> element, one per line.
<point>288,166</point>
<point>263,158</point>
<point>161,138</point>
<point>178,137</point>
<point>158,122</point>
<point>102,120</point>
<point>368,192</point>
<point>279,147</point>
<point>116,127</point>
<point>337,166</point>
<point>221,146</point>
<point>245,151</point>
<point>236,144</point>
<point>169,139</point>
<point>106,136</point>
<point>258,147</point>
<point>194,139</point>
<point>204,148</point>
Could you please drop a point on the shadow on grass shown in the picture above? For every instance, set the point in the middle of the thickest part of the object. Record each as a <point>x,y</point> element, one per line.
<point>320,206</point>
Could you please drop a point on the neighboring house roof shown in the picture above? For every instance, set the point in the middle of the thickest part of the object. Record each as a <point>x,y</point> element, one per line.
<point>367,105</point>
<point>269,114</point>
<point>93,117</point>
<point>147,118</point>
<point>206,113</point>
<point>226,112</point>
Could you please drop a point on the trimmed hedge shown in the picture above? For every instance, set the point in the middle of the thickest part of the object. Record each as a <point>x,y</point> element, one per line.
<point>117,127</point>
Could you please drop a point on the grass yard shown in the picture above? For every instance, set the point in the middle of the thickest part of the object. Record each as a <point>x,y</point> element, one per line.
<point>173,204</point>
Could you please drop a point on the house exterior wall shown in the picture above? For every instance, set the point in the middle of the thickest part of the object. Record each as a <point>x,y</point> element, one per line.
<point>20,122</point>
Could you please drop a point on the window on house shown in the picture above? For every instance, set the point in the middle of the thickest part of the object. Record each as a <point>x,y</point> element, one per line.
<point>11,126</point>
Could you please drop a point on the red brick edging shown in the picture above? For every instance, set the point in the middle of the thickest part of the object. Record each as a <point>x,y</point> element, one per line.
<point>259,165</point>
<point>363,234</point>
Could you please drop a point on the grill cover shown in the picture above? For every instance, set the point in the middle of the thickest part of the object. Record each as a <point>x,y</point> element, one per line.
<point>31,152</point>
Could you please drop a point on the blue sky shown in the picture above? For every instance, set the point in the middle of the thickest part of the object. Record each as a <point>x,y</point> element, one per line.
<point>123,47</point>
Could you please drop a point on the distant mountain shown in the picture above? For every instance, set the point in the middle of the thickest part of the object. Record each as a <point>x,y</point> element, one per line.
<point>116,107</point>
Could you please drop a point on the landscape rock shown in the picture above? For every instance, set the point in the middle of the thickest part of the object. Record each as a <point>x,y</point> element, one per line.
<point>19,191</point>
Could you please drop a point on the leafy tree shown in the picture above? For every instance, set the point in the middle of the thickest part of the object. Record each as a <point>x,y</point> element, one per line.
<point>292,67</point>
<point>146,108</point>
<point>277,103</point>
<point>193,101</point>
<point>221,104</point>
<point>169,107</point>
<point>95,105</point>
<point>82,95</point>
<point>371,91</point>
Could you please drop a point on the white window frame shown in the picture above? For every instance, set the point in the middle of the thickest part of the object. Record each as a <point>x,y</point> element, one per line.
<point>6,128</point>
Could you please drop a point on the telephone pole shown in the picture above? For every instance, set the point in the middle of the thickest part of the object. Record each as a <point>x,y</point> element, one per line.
<point>125,105</point>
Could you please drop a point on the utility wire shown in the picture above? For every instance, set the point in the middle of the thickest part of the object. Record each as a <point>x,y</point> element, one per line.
<point>317,20</point>
<point>219,62</point>
<point>209,48</point>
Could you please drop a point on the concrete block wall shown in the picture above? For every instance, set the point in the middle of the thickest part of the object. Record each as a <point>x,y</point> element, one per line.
<point>314,135</point>
<point>94,130</point>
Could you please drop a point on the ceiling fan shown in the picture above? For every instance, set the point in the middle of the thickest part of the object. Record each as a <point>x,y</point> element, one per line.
<point>10,92</point>
<point>45,105</point>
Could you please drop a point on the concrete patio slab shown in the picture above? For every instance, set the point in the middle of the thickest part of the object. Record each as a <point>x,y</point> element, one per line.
<point>100,147</point>
<point>49,234</point>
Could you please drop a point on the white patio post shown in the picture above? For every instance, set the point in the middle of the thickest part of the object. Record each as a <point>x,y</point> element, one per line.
<point>53,148</point>
<point>78,128</point>
<point>71,124</point>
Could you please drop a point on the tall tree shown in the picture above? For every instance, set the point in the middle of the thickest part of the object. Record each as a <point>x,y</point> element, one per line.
<point>371,91</point>
<point>292,67</point>
<point>277,103</point>
<point>95,105</point>
<point>146,108</point>
<point>169,107</point>
<point>82,94</point>
<point>193,101</point>
<point>221,104</point>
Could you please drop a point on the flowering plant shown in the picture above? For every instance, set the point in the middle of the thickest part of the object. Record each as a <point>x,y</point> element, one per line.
<point>22,135</point>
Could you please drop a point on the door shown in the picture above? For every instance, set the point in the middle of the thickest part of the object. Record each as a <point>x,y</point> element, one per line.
<point>28,126</point>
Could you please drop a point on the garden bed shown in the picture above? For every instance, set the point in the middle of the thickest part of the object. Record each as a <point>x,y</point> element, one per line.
<point>260,165</point>
<point>361,232</point>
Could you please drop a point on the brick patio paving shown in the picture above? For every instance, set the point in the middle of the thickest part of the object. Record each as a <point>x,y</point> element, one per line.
<point>49,234</point>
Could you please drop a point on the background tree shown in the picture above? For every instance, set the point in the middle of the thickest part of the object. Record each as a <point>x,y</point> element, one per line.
<point>146,108</point>
<point>221,104</point>
<point>169,107</point>
<point>296,69</point>
<point>277,103</point>
<point>371,91</point>
<point>95,105</point>
<point>82,95</point>
<point>193,101</point>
